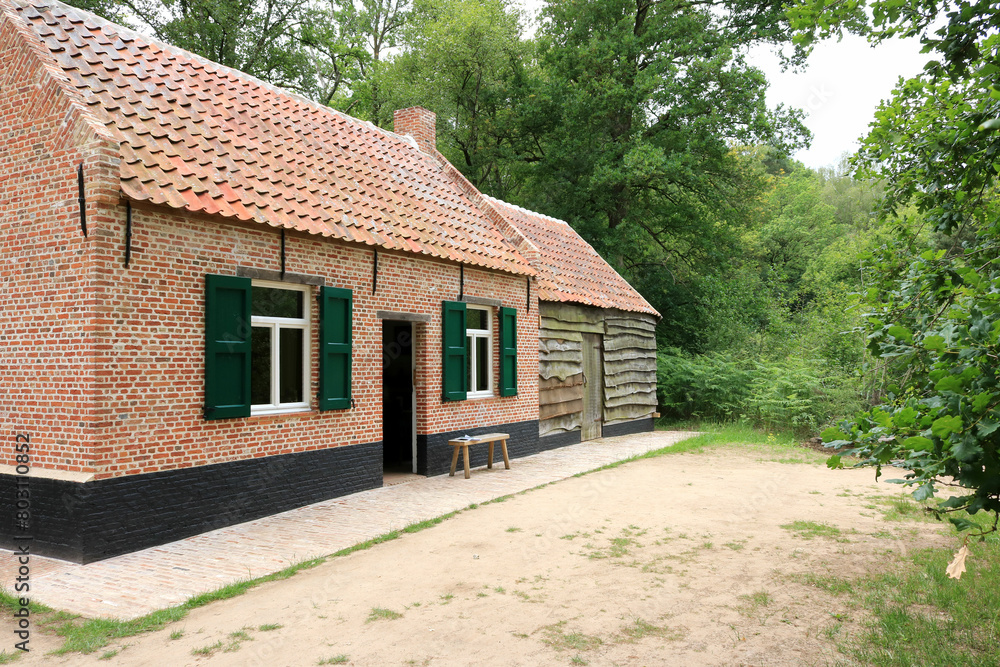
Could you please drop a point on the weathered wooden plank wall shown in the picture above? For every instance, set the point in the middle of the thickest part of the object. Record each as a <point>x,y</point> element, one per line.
<point>629,364</point>
<point>560,367</point>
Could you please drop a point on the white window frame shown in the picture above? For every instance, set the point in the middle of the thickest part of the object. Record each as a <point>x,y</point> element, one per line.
<point>471,335</point>
<point>276,324</point>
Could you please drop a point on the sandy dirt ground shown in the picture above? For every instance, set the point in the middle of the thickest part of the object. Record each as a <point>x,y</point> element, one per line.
<point>676,560</point>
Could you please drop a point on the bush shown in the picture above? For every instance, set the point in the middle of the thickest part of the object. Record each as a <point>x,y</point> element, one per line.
<point>792,393</point>
<point>710,386</point>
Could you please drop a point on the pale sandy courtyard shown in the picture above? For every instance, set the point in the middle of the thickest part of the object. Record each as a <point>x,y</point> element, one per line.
<point>676,560</point>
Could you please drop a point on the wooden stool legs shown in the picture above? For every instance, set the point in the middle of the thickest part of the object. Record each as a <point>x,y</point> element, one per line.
<point>490,439</point>
<point>465,459</point>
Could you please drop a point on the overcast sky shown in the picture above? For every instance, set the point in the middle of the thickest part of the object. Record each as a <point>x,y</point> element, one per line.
<point>839,89</point>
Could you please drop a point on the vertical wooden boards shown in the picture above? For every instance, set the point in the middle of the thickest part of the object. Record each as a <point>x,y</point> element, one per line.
<point>629,366</point>
<point>593,385</point>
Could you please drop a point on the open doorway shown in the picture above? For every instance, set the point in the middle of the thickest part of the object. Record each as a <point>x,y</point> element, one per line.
<point>399,424</point>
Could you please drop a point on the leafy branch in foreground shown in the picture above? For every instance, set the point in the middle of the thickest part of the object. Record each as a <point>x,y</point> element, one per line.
<point>943,425</point>
<point>937,145</point>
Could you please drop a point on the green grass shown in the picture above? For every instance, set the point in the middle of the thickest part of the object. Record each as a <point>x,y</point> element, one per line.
<point>918,616</point>
<point>7,658</point>
<point>335,660</point>
<point>754,605</point>
<point>807,530</point>
<point>830,584</point>
<point>901,507</point>
<point>207,650</point>
<point>921,617</point>
<point>758,599</point>
<point>640,629</point>
<point>556,637</point>
<point>267,627</point>
<point>382,614</point>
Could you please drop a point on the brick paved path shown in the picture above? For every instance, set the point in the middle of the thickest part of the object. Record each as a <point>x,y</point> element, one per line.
<point>135,584</point>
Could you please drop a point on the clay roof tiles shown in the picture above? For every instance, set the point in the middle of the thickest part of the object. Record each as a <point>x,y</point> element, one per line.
<point>201,137</point>
<point>569,268</point>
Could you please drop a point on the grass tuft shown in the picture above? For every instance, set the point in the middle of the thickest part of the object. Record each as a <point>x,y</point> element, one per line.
<point>382,614</point>
<point>807,530</point>
<point>640,629</point>
<point>556,637</point>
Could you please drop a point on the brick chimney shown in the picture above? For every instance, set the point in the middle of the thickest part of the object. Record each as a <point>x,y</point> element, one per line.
<point>419,123</point>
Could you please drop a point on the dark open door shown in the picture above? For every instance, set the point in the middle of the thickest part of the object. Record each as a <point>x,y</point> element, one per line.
<point>398,404</point>
<point>593,387</point>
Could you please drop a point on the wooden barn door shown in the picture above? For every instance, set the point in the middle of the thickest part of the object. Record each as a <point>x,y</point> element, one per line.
<point>593,387</point>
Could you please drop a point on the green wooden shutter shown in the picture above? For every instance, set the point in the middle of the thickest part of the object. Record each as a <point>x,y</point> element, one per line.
<point>454,373</point>
<point>335,315</point>
<point>508,352</point>
<point>227,347</point>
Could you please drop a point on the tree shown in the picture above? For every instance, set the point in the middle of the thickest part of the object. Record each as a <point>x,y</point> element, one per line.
<point>465,60</point>
<point>936,145</point>
<point>639,112</point>
<point>378,26</point>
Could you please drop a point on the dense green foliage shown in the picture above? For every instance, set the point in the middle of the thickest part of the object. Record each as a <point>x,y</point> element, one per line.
<point>935,311</point>
<point>777,348</point>
<point>467,62</point>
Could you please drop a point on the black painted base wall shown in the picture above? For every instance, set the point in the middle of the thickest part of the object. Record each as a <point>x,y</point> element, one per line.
<point>86,522</point>
<point>628,428</point>
<point>434,453</point>
<point>560,439</point>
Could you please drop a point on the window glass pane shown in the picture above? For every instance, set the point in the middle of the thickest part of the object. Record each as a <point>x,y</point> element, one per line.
<point>260,366</point>
<point>475,319</point>
<point>482,364</point>
<point>290,351</point>
<point>268,302</point>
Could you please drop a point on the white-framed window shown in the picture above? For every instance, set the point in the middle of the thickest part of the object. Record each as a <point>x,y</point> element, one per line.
<point>479,351</point>
<point>279,361</point>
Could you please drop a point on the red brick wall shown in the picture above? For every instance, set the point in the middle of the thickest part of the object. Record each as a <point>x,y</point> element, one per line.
<point>151,349</point>
<point>47,291</point>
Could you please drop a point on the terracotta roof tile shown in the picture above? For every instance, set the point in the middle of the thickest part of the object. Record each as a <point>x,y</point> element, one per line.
<point>569,267</point>
<point>198,136</point>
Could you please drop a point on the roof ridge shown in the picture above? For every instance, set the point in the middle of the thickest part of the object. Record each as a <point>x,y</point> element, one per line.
<point>8,8</point>
<point>494,200</point>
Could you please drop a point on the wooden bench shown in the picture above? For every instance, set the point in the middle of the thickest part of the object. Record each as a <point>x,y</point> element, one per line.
<point>463,443</point>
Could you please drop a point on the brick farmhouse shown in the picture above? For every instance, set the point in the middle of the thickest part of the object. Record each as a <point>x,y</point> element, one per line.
<point>221,300</point>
